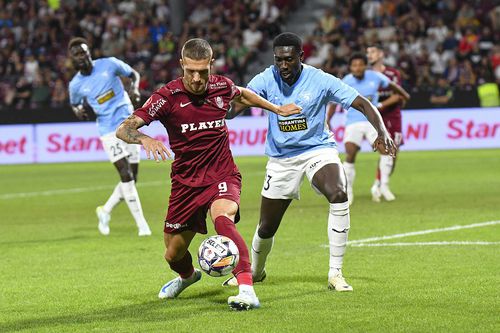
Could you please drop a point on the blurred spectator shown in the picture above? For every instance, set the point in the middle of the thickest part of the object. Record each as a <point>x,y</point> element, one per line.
<point>41,95</point>
<point>59,93</point>
<point>22,93</point>
<point>442,94</point>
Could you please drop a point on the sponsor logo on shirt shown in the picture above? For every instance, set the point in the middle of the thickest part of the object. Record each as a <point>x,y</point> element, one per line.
<point>155,107</point>
<point>202,125</point>
<point>217,85</point>
<point>293,125</point>
<point>105,97</point>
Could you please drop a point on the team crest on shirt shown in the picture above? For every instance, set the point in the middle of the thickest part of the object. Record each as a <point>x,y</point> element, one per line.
<point>219,102</point>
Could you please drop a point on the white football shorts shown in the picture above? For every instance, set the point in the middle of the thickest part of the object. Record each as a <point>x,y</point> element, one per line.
<point>118,149</point>
<point>284,176</point>
<point>356,132</point>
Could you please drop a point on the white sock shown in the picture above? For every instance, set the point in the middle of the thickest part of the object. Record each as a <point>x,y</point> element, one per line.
<point>246,289</point>
<point>338,229</point>
<point>350,173</point>
<point>134,204</point>
<point>376,183</point>
<point>260,250</point>
<point>114,199</point>
<point>385,165</point>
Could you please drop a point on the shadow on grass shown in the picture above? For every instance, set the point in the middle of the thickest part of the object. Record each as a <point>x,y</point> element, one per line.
<point>182,309</point>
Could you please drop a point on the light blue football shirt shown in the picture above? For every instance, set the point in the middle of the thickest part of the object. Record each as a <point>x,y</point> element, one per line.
<point>294,135</point>
<point>104,92</point>
<point>367,87</point>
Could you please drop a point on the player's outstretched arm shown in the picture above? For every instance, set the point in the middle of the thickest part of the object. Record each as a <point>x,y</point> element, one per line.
<point>400,91</point>
<point>383,141</point>
<point>249,98</point>
<point>128,132</point>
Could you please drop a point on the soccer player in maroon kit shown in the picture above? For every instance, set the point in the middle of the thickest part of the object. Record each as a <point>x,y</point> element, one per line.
<point>204,176</point>
<point>389,107</point>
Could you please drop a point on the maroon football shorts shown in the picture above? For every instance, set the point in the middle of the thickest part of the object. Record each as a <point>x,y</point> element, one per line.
<point>188,206</point>
<point>394,127</point>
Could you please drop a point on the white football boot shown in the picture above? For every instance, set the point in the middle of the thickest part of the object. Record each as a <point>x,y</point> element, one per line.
<point>104,219</point>
<point>144,230</point>
<point>386,193</point>
<point>245,300</point>
<point>174,287</point>
<point>376,195</point>
<point>338,283</point>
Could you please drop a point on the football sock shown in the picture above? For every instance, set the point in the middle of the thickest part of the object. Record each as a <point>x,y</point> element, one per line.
<point>377,176</point>
<point>385,165</point>
<point>245,288</point>
<point>338,229</point>
<point>183,267</point>
<point>134,204</point>
<point>261,247</point>
<point>114,199</point>
<point>225,227</point>
<point>350,173</point>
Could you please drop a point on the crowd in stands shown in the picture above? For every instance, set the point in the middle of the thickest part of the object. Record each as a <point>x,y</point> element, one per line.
<point>34,65</point>
<point>434,43</point>
<point>451,39</point>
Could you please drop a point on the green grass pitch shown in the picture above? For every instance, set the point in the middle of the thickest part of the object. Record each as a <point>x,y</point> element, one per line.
<point>58,274</point>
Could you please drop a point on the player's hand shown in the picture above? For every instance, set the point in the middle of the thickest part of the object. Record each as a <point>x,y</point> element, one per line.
<point>135,96</point>
<point>288,110</point>
<point>80,112</point>
<point>155,149</point>
<point>384,144</point>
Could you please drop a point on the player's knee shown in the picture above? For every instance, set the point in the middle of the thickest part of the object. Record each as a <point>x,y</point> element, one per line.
<point>172,257</point>
<point>338,195</point>
<point>266,231</point>
<point>126,175</point>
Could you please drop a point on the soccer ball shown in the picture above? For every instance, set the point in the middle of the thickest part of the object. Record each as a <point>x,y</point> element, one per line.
<point>218,255</point>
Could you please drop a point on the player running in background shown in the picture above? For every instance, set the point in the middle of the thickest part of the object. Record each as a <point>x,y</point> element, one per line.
<point>303,146</point>
<point>204,176</point>
<point>97,87</point>
<point>389,106</point>
<point>358,127</point>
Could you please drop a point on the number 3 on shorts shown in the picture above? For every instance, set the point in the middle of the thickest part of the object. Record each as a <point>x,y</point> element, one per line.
<point>222,187</point>
<point>266,184</point>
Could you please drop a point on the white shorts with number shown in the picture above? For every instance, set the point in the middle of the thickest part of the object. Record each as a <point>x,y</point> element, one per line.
<point>118,149</point>
<point>284,176</point>
<point>356,132</point>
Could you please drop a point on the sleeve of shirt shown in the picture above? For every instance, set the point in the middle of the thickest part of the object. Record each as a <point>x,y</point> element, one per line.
<point>121,68</point>
<point>155,108</point>
<point>234,91</point>
<point>339,92</point>
<point>384,80</point>
<point>258,85</point>
<point>74,96</point>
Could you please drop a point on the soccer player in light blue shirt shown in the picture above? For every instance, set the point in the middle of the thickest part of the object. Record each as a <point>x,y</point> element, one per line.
<point>303,145</point>
<point>97,88</point>
<point>367,82</point>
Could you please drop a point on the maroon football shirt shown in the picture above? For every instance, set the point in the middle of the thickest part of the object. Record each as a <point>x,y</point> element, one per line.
<point>196,129</point>
<point>384,93</point>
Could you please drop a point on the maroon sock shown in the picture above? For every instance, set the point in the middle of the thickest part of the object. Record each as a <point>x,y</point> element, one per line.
<point>184,266</point>
<point>225,227</point>
<point>378,174</point>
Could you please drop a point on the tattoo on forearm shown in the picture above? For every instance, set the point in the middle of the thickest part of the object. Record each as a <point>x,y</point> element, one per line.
<point>129,132</point>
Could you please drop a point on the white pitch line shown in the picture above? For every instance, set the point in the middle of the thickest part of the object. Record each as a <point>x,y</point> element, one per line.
<point>423,232</point>
<point>69,190</point>
<point>424,244</point>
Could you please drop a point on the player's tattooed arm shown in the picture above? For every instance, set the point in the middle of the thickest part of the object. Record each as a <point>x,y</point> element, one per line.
<point>128,132</point>
<point>249,98</point>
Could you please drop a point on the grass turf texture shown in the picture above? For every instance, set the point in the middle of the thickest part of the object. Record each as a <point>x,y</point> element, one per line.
<point>58,274</point>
